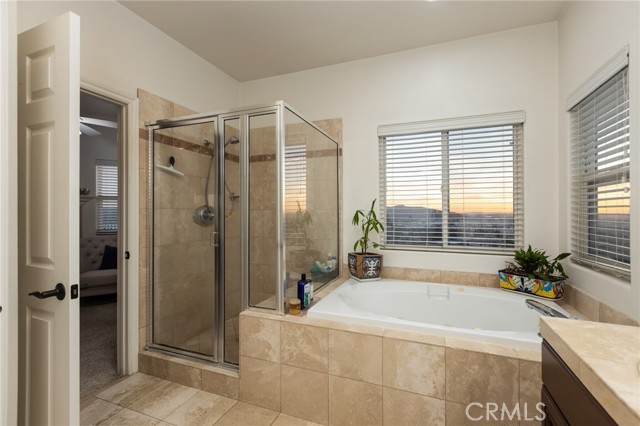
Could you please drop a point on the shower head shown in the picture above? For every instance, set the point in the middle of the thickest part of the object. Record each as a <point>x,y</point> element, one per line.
<point>232,141</point>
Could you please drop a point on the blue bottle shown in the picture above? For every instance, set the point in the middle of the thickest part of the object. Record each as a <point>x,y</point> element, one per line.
<point>304,289</point>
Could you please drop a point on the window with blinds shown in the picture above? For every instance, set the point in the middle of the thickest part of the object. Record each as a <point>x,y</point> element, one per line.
<point>295,182</point>
<point>106,197</point>
<point>600,193</point>
<point>453,188</point>
<point>295,191</point>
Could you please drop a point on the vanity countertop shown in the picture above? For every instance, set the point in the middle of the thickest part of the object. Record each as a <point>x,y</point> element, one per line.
<point>606,359</point>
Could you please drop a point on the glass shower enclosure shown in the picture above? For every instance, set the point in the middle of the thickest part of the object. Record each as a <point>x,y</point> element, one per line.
<point>244,202</point>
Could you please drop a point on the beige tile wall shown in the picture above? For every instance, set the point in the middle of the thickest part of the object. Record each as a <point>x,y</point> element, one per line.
<point>184,261</point>
<point>332,373</point>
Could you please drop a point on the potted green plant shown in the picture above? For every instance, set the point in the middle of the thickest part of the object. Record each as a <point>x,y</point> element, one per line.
<point>363,265</point>
<point>532,272</point>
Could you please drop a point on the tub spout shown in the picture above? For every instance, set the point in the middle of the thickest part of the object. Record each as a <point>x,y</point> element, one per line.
<point>544,309</point>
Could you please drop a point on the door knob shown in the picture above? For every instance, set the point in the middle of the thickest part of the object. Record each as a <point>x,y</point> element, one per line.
<point>58,292</point>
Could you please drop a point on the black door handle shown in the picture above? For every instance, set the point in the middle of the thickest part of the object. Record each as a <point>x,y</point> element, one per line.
<point>58,292</point>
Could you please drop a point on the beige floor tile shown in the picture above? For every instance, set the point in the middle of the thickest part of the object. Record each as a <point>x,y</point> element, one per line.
<point>243,414</point>
<point>164,400</point>
<point>204,409</point>
<point>127,417</point>
<point>286,420</point>
<point>94,410</point>
<point>128,390</point>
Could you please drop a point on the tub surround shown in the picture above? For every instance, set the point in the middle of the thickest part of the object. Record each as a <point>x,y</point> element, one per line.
<point>606,359</point>
<point>341,373</point>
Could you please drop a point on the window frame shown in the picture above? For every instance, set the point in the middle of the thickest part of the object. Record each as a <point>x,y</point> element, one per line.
<point>445,127</point>
<point>585,177</point>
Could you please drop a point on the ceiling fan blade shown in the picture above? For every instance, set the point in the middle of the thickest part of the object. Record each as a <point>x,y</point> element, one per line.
<point>86,130</point>
<point>99,122</point>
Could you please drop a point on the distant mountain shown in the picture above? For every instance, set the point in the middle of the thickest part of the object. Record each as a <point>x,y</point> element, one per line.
<point>412,211</point>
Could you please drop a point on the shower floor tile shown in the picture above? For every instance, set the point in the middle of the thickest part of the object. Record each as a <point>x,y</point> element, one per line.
<point>140,399</point>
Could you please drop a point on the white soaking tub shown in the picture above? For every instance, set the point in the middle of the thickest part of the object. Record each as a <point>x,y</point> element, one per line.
<point>478,313</point>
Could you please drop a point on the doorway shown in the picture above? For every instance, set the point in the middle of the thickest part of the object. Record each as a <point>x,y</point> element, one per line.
<point>98,246</point>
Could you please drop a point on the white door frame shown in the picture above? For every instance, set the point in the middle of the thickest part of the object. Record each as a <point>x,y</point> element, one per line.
<point>8,214</point>
<point>128,222</point>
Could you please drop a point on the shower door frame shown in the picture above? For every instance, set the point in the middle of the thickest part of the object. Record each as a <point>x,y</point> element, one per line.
<point>280,285</point>
<point>218,326</point>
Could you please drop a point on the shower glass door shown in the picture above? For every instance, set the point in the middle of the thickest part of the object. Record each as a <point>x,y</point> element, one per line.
<point>183,224</point>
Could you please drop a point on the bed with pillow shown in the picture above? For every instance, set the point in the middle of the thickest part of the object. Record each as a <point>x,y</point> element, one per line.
<point>98,265</point>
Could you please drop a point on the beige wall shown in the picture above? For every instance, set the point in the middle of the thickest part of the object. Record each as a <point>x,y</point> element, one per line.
<point>122,52</point>
<point>582,51</point>
<point>500,72</point>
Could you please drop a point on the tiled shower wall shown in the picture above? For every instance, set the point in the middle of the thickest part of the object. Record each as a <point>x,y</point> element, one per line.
<point>180,242</point>
<point>183,250</point>
<point>183,255</point>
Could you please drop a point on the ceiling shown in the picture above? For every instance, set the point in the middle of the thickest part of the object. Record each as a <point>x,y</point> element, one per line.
<point>250,40</point>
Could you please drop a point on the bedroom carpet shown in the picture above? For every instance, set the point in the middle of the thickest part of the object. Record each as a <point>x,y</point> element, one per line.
<point>98,351</point>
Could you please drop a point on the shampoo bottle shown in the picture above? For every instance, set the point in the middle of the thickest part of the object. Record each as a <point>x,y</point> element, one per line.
<point>304,292</point>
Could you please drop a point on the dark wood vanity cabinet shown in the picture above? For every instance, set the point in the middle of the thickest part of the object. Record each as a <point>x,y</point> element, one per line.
<point>567,401</point>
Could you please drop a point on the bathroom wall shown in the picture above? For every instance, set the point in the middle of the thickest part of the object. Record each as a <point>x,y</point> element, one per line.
<point>506,71</point>
<point>122,52</point>
<point>582,51</point>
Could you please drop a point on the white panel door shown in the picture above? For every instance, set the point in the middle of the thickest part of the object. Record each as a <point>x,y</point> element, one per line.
<point>48,230</point>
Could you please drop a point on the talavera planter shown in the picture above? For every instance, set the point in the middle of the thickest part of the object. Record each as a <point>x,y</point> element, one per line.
<point>365,267</point>
<point>549,289</point>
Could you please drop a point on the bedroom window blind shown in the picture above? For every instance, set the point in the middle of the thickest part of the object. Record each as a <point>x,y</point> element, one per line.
<point>453,186</point>
<point>106,197</point>
<point>600,172</point>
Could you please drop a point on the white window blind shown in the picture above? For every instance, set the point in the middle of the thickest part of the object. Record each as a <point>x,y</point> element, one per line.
<point>600,195</point>
<point>295,182</point>
<point>106,197</point>
<point>453,189</point>
<point>295,190</point>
